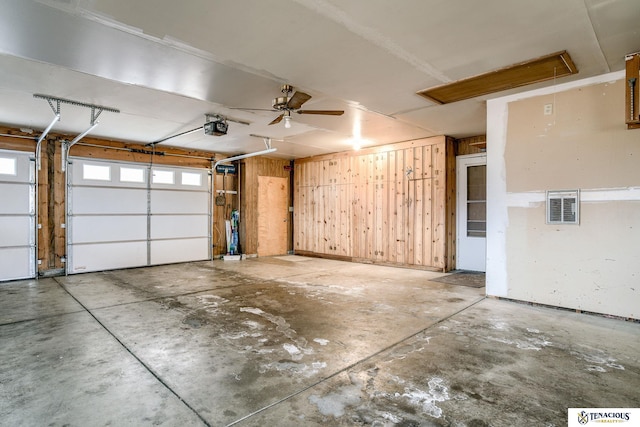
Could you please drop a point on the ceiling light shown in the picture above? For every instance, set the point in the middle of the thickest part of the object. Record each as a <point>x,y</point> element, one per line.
<point>537,70</point>
<point>287,121</point>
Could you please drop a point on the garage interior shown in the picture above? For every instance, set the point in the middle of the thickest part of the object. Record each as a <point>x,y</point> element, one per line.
<point>445,233</point>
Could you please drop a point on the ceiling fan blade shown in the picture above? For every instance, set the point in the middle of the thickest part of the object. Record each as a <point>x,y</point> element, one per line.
<point>297,100</point>
<point>277,119</point>
<point>322,112</point>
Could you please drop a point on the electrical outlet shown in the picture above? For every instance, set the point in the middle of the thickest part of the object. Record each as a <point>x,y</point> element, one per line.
<point>548,109</point>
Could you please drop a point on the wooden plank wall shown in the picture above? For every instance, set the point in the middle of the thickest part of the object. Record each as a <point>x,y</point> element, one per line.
<point>471,145</point>
<point>391,204</point>
<point>250,169</point>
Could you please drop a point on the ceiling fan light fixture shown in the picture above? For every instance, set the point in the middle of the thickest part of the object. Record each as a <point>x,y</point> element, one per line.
<point>287,121</point>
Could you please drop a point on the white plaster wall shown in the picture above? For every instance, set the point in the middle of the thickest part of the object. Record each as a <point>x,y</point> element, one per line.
<point>594,266</point>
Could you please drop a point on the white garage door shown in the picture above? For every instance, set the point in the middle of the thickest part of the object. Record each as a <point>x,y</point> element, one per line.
<point>131,215</point>
<point>17,215</point>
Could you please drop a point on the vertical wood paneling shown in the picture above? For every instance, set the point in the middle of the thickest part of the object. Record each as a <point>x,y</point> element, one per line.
<point>370,208</point>
<point>298,204</point>
<point>387,205</point>
<point>401,208</point>
<point>390,208</point>
<point>410,222</point>
<point>438,197</point>
<point>326,209</point>
<point>344,185</point>
<point>418,225</point>
<point>427,230</point>
<point>316,202</point>
<point>379,203</point>
<point>301,206</point>
<point>360,201</point>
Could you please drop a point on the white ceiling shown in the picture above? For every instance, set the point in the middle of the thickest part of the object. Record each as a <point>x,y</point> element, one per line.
<point>165,64</point>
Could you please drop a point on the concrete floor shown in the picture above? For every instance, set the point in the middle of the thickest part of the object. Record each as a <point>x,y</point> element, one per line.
<point>298,341</point>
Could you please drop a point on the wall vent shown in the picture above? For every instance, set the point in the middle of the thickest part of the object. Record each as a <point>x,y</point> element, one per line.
<point>563,207</point>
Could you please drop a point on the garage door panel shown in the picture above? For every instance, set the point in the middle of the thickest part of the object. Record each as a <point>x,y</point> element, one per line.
<point>17,215</point>
<point>23,165</point>
<point>170,251</point>
<point>16,199</point>
<point>16,231</point>
<point>99,228</point>
<point>16,263</point>
<point>92,200</point>
<point>176,226</point>
<point>179,202</point>
<point>97,173</point>
<point>107,256</point>
<point>116,221</point>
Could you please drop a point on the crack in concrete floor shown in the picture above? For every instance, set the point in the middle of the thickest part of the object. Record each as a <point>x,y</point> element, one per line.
<point>319,342</point>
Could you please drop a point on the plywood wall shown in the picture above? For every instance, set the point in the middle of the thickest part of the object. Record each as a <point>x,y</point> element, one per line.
<point>392,204</point>
<point>250,169</point>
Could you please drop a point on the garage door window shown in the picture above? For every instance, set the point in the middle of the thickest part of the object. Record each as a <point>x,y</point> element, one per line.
<point>190,178</point>
<point>163,177</point>
<point>96,172</point>
<point>131,175</point>
<point>8,166</point>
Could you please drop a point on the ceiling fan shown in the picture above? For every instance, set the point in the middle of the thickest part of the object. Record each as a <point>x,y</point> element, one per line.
<point>288,104</point>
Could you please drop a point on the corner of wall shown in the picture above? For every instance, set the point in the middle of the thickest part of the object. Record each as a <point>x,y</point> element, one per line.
<point>497,213</point>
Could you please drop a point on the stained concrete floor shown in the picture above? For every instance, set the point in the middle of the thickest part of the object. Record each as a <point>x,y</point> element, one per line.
<point>298,341</point>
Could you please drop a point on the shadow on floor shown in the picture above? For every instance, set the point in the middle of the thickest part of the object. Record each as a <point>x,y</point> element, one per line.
<point>472,279</point>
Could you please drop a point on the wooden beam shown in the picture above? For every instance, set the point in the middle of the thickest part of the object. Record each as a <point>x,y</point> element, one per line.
<point>632,91</point>
<point>536,70</point>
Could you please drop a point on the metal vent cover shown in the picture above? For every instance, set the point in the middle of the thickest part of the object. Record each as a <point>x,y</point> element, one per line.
<point>563,207</point>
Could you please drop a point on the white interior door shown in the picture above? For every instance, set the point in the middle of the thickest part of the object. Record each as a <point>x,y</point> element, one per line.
<point>17,215</point>
<point>472,212</point>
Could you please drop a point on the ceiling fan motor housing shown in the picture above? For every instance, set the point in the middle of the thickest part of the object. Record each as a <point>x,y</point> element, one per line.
<point>280,103</point>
